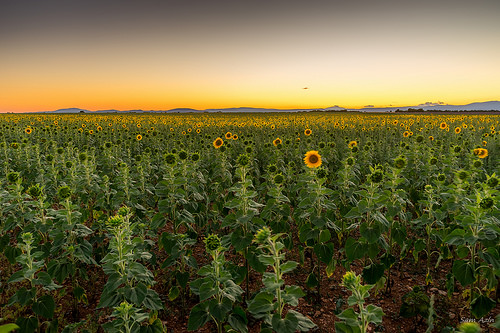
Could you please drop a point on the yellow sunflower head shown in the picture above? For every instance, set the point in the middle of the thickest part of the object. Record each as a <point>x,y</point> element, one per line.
<point>352,144</point>
<point>406,134</point>
<point>458,130</point>
<point>482,153</point>
<point>307,132</point>
<point>28,130</point>
<point>138,137</point>
<point>229,135</point>
<point>276,141</point>
<point>312,159</point>
<point>443,125</point>
<point>218,143</point>
<point>431,138</point>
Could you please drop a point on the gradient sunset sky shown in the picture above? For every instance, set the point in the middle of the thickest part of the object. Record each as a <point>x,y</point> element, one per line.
<point>214,54</point>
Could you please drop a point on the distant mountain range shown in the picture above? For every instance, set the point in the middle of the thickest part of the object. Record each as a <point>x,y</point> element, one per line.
<point>480,106</point>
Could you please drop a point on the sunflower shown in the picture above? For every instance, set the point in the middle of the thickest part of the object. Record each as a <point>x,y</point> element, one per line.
<point>91,132</point>
<point>138,137</point>
<point>228,135</point>
<point>481,152</point>
<point>312,159</point>
<point>431,138</point>
<point>198,130</point>
<point>458,130</point>
<point>276,141</point>
<point>443,125</point>
<point>484,143</point>
<point>28,130</point>
<point>99,128</point>
<point>307,132</point>
<point>406,134</point>
<point>218,143</point>
<point>235,137</point>
<point>352,144</point>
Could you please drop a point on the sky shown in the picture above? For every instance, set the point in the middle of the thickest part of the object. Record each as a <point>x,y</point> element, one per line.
<point>159,55</point>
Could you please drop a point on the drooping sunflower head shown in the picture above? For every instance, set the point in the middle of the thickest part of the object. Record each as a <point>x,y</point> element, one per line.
<point>400,162</point>
<point>13,176</point>
<point>312,159</point>
<point>170,158</point>
<point>218,143</point>
<point>35,191</point>
<point>352,144</point>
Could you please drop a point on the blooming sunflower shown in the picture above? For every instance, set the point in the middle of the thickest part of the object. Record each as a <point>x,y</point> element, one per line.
<point>312,159</point>
<point>235,137</point>
<point>276,141</point>
<point>307,132</point>
<point>138,137</point>
<point>352,144</point>
<point>481,152</point>
<point>443,125</point>
<point>229,135</point>
<point>458,130</point>
<point>28,130</point>
<point>431,138</point>
<point>406,134</point>
<point>218,143</point>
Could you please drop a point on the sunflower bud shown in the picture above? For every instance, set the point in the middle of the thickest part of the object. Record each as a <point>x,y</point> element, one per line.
<point>212,243</point>
<point>64,192</point>
<point>262,235</point>
<point>115,221</point>
<point>13,176</point>
<point>486,203</point>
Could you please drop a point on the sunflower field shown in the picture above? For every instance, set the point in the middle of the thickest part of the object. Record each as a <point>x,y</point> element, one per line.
<point>269,222</point>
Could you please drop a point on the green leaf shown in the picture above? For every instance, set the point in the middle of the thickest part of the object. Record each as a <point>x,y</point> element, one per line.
<point>152,301</point>
<point>324,252</point>
<point>372,273</point>
<point>44,307</point>
<point>238,320</point>
<point>8,328</point>
<point>330,268</point>
<point>292,294</point>
<point>324,236</point>
<point>312,280</point>
<point>261,304</point>
<point>27,325</point>
<point>481,306</point>
<point>349,316</point>
<point>137,294</point>
<point>219,310</point>
<point>370,232</point>
<point>374,314</point>
<point>288,266</point>
<point>345,328</point>
<point>354,249</point>
<point>463,272</point>
<point>288,324</point>
<point>456,237</point>
<point>173,293</point>
<point>305,324</point>
<point>182,278</point>
<point>198,316</point>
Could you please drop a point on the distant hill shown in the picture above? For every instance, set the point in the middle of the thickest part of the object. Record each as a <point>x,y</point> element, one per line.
<point>479,106</point>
